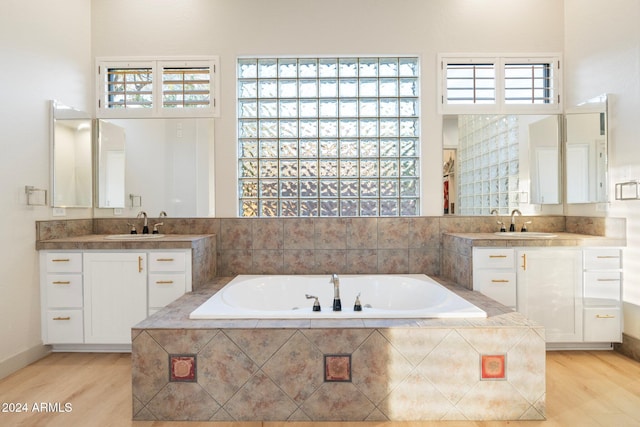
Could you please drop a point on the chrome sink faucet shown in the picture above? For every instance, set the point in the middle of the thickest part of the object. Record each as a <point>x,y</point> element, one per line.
<point>337,305</point>
<point>500,223</point>
<point>145,227</point>
<point>512,227</point>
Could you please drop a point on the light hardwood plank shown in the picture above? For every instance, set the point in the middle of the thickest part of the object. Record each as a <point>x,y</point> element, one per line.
<point>585,388</point>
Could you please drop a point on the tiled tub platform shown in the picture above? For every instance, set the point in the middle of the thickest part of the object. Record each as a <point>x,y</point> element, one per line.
<point>349,370</point>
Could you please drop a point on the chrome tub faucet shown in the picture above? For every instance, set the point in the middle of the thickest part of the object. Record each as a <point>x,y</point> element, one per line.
<point>337,305</point>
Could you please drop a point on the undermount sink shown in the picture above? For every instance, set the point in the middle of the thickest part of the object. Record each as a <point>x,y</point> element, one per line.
<point>133,236</point>
<point>526,234</point>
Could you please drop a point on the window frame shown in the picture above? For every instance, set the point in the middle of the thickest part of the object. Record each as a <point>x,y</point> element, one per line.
<point>157,65</point>
<point>500,61</point>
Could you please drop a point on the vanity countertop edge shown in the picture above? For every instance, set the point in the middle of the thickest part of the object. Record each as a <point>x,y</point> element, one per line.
<point>561,239</point>
<point>98,241</point>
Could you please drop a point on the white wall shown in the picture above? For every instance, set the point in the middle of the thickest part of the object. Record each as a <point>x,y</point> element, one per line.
<point>45,54</point>
<point>602,55</point>
<point>231,28</point>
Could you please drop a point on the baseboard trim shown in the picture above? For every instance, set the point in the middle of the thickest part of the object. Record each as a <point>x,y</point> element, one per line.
<point>22,359</point>
<point>630,347</point>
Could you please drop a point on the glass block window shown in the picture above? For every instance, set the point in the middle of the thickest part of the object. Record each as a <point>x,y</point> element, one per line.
<point>488,162</point>
<point>326,137</point>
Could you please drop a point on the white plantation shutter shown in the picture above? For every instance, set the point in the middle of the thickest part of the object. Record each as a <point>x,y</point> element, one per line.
<point>154,88</point>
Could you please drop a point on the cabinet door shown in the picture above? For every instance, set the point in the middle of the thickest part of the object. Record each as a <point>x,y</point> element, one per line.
<point>549,291</point>
<point>115,296</point>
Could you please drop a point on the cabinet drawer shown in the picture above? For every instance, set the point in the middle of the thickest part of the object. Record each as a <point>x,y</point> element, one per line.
<point>602,285</point>
<point>63,262</point>
<point>602,325</point>
<point>165,288</point>
<point>64,327</point>
<point>602,259</point>
<point>493,258</point>
<point>167,261</point>
<point>64,290</point>
<point>497,285</point>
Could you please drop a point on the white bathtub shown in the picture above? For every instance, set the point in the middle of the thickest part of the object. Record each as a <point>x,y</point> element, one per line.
<point>381,296</point>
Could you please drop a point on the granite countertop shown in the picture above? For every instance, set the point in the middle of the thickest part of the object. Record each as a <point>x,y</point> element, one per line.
<point>99,241</point>
<point>561,239</point>
<point>176,315</point>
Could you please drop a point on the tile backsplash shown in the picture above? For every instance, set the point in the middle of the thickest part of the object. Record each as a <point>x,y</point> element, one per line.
<point>327,245</point>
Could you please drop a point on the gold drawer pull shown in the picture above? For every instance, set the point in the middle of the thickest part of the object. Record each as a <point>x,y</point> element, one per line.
<point>499,281</point>
<point>165,259</point>
<point>164,282</point>
<point>61,260</point>
<point>61,282</point>
<point>605,316</point>
<point>608,256</point>
<point>497,256</point>
<point>62,318</point>
<point>608,280</point>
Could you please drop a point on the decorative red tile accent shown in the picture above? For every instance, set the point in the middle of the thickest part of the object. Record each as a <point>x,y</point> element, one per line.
<point>182,367</point>
<point>337,367</point>
<point>493,367</point>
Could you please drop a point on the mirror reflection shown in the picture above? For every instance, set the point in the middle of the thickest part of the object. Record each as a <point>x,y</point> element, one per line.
<point>501,162</point>
<point>168,164</point>
<point>586,152</point>
<point>111,165</point>
<point>71,148</point>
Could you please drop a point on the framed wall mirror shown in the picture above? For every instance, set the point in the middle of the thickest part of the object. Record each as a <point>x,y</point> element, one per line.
<point>71,157</point>
<point>586,145</point>
<point>502,162</point>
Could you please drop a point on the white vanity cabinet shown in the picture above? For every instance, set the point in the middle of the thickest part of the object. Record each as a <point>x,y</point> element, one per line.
<point>169,277</point>
<point>574,292</point>
<point>92,298</point>
<point>61,296</point>
<point>494,274</point>
<point>603,295</point>
<point>115,295</point>
<point>550,290</point>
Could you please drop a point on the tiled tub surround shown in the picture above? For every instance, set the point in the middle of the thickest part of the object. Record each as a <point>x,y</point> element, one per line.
<point>323,370</point>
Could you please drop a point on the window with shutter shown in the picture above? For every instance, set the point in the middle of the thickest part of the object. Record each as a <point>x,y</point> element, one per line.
<point>499,84</point>
<point>172,87</point>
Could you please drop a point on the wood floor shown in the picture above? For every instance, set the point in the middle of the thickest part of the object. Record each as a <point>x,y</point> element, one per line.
<point>584,388</point>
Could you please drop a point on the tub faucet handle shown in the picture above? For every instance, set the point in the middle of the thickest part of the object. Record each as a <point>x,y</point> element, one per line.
<point>316,303</point>
<point>357,306</point>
